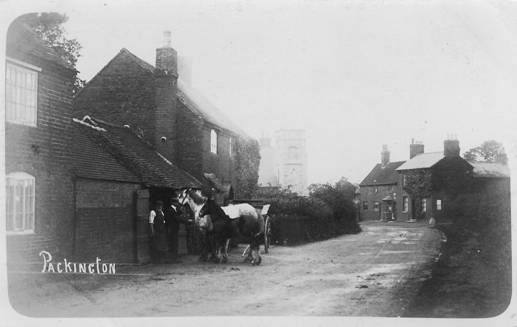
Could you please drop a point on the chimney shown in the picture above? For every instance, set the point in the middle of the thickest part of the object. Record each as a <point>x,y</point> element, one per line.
<point>451,147</point>
<point>167,57</point>
<point>385,155</point>
<point>415,148</point>
<point>166,79</point>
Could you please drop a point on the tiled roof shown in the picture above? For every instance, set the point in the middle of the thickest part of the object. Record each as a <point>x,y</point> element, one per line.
<point>195,101</point>
<point>380,175</point>
<point>423,160</point>
<point>136,155</point>
<point>490,170</point>
<point>22,39</point>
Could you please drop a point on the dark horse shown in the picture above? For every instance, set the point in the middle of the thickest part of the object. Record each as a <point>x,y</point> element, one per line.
<point>230,222</point>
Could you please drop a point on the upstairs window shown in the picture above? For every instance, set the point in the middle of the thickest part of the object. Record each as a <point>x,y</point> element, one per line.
<point>213,141</point>
<point>21,93</point>
<point>365,205</point>
<point>20,195</point>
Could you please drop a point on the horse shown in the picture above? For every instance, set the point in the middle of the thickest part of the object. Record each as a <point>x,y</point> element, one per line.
<point>226,223</point>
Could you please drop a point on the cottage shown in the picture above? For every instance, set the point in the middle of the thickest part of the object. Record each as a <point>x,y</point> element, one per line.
<point>381,194</point>
<point>418,188</point>
<point>173,118</point>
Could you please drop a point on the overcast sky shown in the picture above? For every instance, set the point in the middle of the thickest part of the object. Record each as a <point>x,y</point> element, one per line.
<point>354,75</point>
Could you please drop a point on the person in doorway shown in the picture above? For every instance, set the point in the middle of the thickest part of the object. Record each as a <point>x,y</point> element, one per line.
<point>174,217</point>
<point>158,228</point>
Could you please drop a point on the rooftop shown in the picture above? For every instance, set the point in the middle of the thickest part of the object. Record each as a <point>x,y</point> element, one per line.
<point>135,154</point>
<point>423,160</point>
<point>380,175</point>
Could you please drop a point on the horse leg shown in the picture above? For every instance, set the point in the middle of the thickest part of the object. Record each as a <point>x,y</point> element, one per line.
<point>225,252</point>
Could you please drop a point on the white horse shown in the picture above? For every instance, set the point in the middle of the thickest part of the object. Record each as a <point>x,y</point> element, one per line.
<point>244,219</point>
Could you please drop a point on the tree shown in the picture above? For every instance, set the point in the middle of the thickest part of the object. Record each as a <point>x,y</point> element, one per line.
<point>489,151</point>
<point>49,27</point>
<point>247,160</point>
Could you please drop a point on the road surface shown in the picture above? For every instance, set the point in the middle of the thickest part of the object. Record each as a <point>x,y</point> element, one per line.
<point>374,273</point>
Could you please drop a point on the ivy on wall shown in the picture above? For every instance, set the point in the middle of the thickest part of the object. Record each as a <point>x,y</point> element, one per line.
<point>247,160</point>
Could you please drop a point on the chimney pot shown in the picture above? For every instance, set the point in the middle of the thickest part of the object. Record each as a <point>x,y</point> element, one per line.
<point>385,155</point>
<point>167,39</point>
<point>415,148</point>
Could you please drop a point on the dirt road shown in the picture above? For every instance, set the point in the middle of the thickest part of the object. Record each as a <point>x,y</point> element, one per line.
<point>374,273</point>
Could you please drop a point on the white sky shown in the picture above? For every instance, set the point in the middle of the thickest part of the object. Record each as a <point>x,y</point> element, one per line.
<point>355,75</point>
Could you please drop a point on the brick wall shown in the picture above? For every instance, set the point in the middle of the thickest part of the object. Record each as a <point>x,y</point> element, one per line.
<point>221,164</point>
<point>189,141</point>
<point>42,152</point>
<point>122,93</point>
<point>106,220</point>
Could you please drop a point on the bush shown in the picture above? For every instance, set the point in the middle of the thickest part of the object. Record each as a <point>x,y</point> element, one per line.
<point>297,219</point>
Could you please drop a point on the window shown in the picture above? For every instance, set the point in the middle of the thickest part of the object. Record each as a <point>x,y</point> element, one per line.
<point>438,204</point>
<point>405,204</point>
<point>376,190</point>
<point>293,153</point>
<point>213,141</point>
<point>20,202</point>
<point>21,92</point>
<point>424,205</point>
<point>376,205</point>
<point>365,205</point>
<point>404,181</point>
<point>230,147</point>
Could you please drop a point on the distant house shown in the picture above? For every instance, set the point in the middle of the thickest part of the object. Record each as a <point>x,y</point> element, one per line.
<point>433,179</point>
<point>173,118</point>
<point>381,194</point>
<point>418,188</point>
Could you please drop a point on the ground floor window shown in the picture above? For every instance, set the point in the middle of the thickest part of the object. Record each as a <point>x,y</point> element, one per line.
<point>20,195</point>
<point>376,205</point>
<point>405,204</point>
<point>365,205</point>
<point>438,204</point>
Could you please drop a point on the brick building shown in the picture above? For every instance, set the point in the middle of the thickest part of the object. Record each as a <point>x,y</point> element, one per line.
<point>381,193</point>
<point>39,197</point>
<point>76,188</point>
<point>173,118</point>
<point>418,188</point>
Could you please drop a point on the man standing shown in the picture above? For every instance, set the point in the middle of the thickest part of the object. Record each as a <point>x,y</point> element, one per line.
<point>158,227</point>
<point>174,216</point>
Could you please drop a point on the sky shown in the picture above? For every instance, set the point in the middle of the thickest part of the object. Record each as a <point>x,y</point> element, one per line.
<point>355,75</point>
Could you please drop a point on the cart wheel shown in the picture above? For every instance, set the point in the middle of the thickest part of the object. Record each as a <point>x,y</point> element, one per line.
<point>267,234</point>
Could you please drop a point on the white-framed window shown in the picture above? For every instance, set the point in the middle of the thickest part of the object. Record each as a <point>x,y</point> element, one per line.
<point>21,93</point>
<point>213,141</point>
<point>424,205</point>
<point>438,204</point>
<point>20,198</point>
<point>405,204</point>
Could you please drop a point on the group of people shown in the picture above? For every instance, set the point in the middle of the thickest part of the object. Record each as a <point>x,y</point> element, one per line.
<point>164,223</point>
